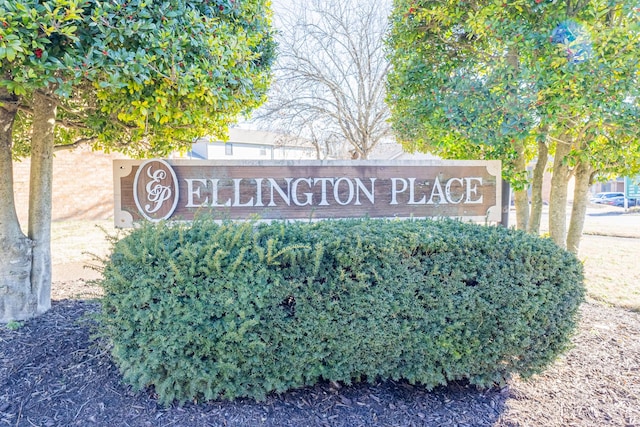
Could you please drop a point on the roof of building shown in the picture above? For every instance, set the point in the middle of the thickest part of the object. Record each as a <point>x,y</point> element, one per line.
<point>262,138</point>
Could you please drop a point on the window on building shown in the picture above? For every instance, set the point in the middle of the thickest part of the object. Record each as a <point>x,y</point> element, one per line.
<point>228,149</point>
<point>263,151</point>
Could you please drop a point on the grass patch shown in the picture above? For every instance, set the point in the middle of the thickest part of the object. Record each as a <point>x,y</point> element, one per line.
<point>611,269</point>
<point>75,241</point>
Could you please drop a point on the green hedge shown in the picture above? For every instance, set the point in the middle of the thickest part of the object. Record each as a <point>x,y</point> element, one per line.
<point>242,309</point>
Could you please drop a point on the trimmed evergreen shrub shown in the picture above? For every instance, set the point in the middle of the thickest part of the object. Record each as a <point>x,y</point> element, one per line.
<point>207,310</point>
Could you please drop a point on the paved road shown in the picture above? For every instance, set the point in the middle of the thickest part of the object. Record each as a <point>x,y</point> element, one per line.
<point>613,221</point>
<point>605,220</point>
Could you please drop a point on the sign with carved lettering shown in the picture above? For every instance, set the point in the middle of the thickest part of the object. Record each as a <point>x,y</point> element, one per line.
<point>156,190</point>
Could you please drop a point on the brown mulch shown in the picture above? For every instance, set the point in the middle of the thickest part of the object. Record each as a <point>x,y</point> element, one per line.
<point>53,374</point>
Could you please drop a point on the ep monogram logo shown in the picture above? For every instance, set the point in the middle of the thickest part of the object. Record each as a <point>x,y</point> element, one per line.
<point>155,190</point>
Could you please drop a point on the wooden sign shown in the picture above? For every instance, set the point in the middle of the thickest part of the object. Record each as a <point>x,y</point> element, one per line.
<point>156,190</point>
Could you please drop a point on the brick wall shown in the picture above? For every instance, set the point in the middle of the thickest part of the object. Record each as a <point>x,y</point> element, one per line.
<point>82,185</point>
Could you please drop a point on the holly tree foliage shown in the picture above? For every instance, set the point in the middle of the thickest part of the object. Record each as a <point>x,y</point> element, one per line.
<point>139,76</point>
<point>472,79</point>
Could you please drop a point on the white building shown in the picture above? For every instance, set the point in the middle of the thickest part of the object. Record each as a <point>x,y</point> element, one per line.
<point>247,144</point>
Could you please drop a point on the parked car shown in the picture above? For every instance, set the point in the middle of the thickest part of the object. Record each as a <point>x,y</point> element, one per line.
<point>619,201</point>
<point>603,197</point>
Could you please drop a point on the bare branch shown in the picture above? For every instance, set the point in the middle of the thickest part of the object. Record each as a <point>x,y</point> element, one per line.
<point>330,78</point>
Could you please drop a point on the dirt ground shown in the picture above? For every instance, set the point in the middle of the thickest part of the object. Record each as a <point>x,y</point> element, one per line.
<point>53,374</point>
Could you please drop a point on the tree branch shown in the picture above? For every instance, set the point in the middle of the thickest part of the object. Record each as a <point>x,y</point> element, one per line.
<point>76,144</point>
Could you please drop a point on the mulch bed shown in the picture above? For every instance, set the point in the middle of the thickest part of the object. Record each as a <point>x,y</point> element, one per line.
<point>53,374</point>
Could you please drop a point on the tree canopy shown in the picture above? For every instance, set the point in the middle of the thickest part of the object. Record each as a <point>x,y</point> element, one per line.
<point>502,79</point>
<point>138,76</point>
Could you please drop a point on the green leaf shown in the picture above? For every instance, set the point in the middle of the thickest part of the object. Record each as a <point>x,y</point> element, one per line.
<point>10,54</point>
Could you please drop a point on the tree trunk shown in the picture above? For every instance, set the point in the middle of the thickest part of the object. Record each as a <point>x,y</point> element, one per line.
<point>558,201</point>
<point>536,189</point>
<point>521,196</point>
<point>16,301</point>
<point>40,183</point>
<point>520,162</point>
<point>583,174</point>
<point>316,145</point>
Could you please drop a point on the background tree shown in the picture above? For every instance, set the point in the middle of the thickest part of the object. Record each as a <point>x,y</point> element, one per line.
<point>516,81</point>
<point>330,75</point>
<point>140,77</point>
